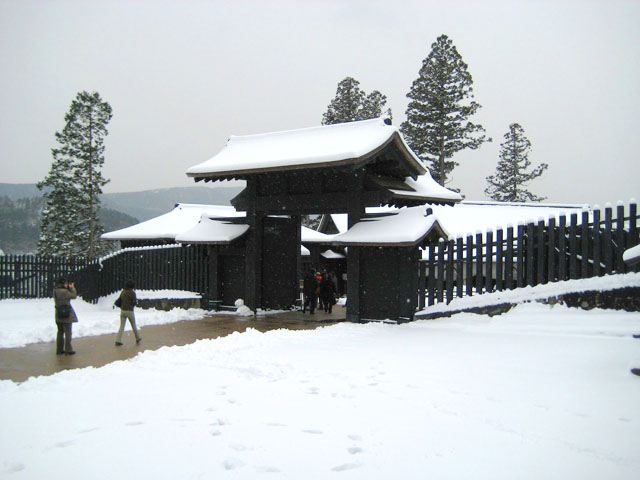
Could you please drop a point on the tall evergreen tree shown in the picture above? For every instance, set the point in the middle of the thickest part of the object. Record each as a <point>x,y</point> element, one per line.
<point>437,124</point>
<point>351,103</point>
<point>70,224</point>
<point>511,178</point>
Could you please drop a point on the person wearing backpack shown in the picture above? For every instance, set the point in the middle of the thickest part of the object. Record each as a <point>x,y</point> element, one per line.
<point>65,315</point>
<point>127,302</point>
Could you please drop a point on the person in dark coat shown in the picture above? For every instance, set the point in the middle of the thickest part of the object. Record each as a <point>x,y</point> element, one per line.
<point>309,288</point>
<point>327,293</point>
<point>65,315</point>
<point>128,302</point>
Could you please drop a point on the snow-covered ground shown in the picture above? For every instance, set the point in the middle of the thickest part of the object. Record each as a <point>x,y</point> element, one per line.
<point>538,393</point>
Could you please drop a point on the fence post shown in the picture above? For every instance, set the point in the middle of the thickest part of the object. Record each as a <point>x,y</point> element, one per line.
<point>596,242</point>
<point>520,278</point>
<point>431,278</point>
<point>540,253</point>
<point>530,246</point>
<point>551,251</point>
<point>573,247</point>
<point>479,262</point>
<point>449,274</point>
<point>584,242</point>
<point>440,276</point>
<point>499,260</point>
<point>620,244</point>
<point>633,225</point>
<point>508,265</point>
<point>608,241</point>
<point>459,266</point>
<point>469,268</point>
<point>422,279</point>
<point>489,263</point>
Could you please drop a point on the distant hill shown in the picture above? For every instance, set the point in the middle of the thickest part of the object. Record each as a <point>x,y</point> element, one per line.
<point>20,206</point>
<point>151,203</point>
<point>20,223</point>
<point>142,205</point>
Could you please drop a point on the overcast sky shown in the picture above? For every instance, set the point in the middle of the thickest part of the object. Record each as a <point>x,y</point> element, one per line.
<point>182,76</point>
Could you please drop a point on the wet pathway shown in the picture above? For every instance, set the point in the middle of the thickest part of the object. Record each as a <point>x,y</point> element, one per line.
<point>18,364</point>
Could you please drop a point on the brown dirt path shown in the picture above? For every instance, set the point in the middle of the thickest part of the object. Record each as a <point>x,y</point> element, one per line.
<point>18,364</point>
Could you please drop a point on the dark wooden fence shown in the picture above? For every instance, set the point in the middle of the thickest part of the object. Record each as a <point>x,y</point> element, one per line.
<point>584,245</point>
<point>151,268</point>
<point>32,276</point>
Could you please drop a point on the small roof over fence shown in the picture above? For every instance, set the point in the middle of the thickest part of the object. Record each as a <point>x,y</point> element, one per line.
<point>165,227</point>
<point>404,227</point>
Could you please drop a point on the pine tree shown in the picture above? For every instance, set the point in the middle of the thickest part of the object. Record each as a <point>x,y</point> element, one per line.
<point>351,103</point>
<point>511,178</point>
<point>437,124</point>
<point>70,224</point>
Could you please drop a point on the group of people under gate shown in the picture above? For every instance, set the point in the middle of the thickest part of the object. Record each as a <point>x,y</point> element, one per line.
<point>319,289</point>
<point>65,315</point>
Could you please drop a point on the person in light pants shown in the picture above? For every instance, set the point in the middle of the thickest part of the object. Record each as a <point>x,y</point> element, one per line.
<point>128,303</point>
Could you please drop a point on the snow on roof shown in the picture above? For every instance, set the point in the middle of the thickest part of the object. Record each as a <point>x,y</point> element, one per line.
<point>327,145</point>
<point>212,231</point>
<point>406,226</point>
<point>331,255</point>
<point>632,255</point>
<point>426,187</point>
<point>312,236</point>
<point>184,223</point>
<point>470,217</point>
<point>183,217</point>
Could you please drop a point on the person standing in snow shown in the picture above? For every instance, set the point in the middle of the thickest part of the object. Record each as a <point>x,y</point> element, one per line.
<point>65,315</point>
<point>327,293</point>
<point>127,302</point>
<point>309,288</point>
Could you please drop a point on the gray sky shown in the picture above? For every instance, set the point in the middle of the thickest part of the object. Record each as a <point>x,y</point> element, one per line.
<point>182,76</point>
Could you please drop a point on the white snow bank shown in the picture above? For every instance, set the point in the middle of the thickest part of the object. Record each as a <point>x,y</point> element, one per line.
<point>632,255</point>
<point>527,294</point>
<point>538,393</point>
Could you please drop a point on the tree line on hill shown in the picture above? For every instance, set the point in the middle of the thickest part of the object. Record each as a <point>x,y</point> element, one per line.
<point>20,223</point>
<point>439,123</point>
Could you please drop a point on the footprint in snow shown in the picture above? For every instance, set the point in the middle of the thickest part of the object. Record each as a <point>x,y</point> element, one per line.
<point>64,444</point>
<point>12,467</point>
<point>89,430</point>
<point>268,470</point>
<point>354,450</point>
<point>134,424</point>
<point>345,466</point>
<point>313,432</point>
<point>232,463</point>
<point>355,438</point>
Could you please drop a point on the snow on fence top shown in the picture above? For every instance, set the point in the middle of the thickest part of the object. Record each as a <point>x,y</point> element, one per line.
<point>324,146</point>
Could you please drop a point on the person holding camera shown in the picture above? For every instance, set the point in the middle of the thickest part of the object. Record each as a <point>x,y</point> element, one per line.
<point>65,315</point>
<point>127,302</point>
